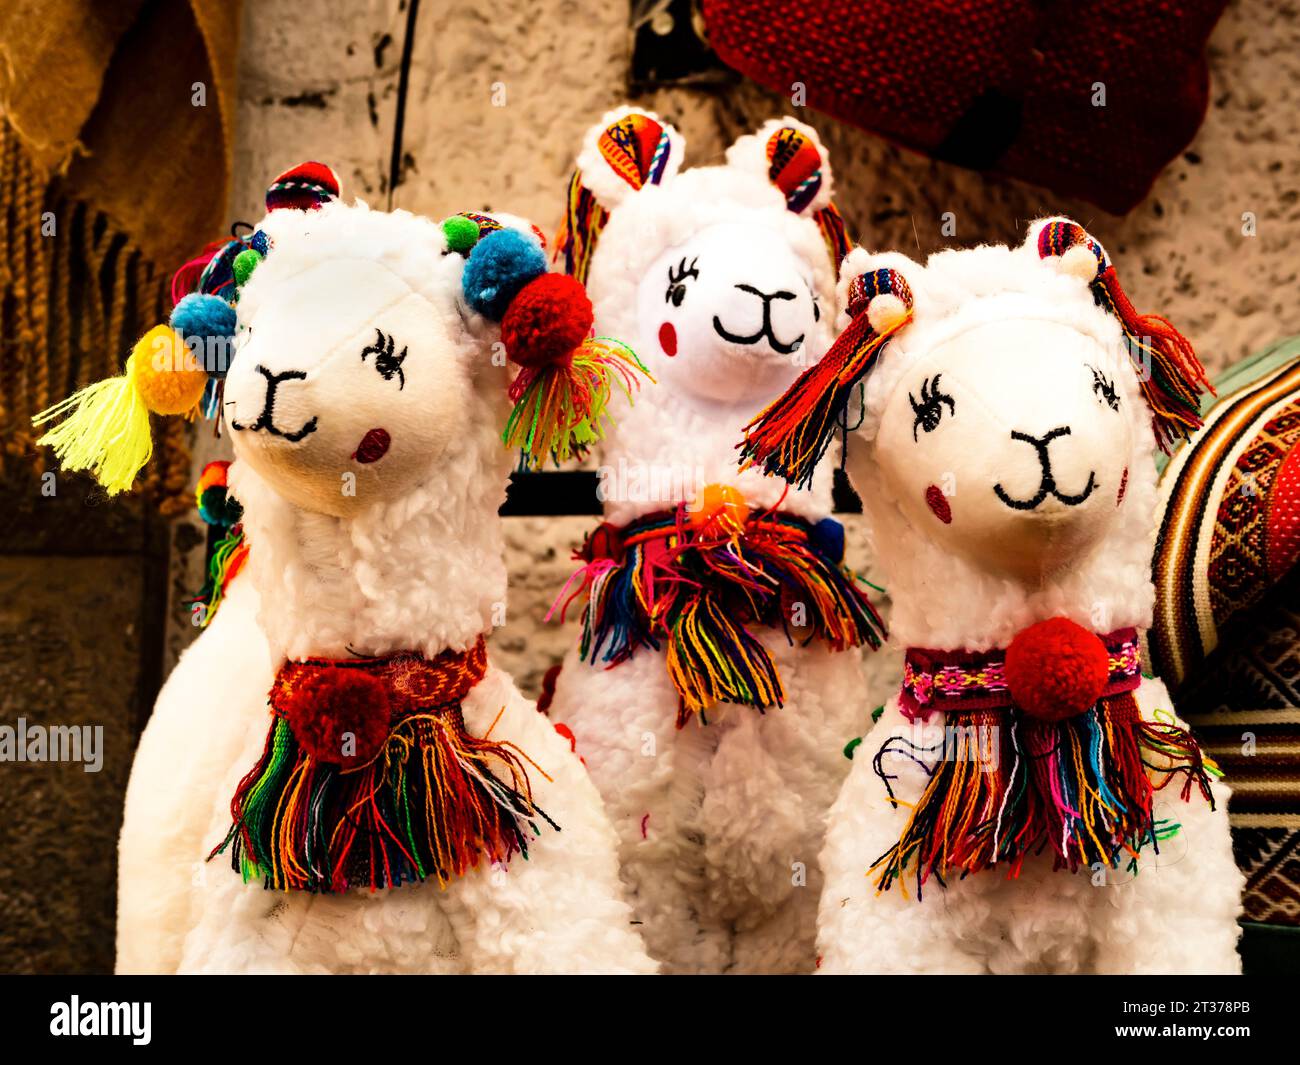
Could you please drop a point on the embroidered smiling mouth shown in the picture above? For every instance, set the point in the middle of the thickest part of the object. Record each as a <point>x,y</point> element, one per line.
<point>765,331</point>
<point>265,422</point>
<point>1047,486</point>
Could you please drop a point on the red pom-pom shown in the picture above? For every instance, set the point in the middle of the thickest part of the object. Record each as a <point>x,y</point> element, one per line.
<point>339,716</point>
<point>548,319</point>
<point>1056,669</point>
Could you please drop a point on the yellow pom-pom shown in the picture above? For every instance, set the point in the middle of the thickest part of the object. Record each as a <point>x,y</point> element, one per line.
<point>165,372</point>
<point>107,425</point>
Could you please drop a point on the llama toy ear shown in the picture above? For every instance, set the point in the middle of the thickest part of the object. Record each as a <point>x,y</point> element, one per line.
<point>565,376</point>
<point>790,437</point>
<point>625,152</point>
<point>791,156</point>
<point>1171,377</point>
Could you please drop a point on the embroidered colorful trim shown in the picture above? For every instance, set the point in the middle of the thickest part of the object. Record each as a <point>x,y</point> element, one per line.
<point>699,591</point>
<point>1004,785</point>
<point>960,680</point>
<point>369,778</point>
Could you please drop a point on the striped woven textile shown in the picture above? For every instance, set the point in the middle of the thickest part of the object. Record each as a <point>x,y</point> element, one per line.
<point>1226,633</point>
<point>1230,519</point>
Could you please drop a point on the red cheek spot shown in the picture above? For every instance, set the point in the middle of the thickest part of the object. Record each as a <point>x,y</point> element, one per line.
<point>1123,487</point>
<point>938,502</point>
<point>373,446</point>
<point>668,339</point>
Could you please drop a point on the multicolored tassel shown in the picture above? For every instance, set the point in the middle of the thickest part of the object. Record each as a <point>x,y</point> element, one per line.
<point>1006,786</point>
<point>560,408</point>
<point>583,221</point>
<point>1170,375</point>
<point>791,435</point>
<point>433,803</point>
<point>699,590</point>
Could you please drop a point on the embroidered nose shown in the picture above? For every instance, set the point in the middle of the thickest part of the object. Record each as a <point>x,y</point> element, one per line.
<point>266,419</point>
<point>1047,486</point>
<point>765,332</point>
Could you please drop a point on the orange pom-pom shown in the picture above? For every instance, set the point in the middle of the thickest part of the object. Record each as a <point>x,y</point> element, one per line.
<point>719,510</point>
<point>165,373</point>
<point>1056,669</point>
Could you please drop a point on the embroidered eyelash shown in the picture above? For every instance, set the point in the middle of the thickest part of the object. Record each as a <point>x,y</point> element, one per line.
<point>388,364</point>
<point>1104,387</point>
<point>677,276</point>
<point>929,412</point>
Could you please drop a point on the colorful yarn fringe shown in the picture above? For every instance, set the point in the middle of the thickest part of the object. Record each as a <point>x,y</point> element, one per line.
<point>433,803</point>
<point>831,223</point>
<point>637,148</point>
<point>1008,786</point>
<point>560,408</point>
<point>792,434</point>
<point>1171,377</point>
<point>583,221</point>
<point>700,592</point>
<point>227,551</point>
<point>226,557</point>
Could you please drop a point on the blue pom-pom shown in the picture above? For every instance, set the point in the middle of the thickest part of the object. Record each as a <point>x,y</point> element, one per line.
<point>828,537</point>
<point>207,323</point>
<point>500,265</point>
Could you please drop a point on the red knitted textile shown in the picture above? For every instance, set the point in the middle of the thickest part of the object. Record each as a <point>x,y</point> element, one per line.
<point>999,85</point>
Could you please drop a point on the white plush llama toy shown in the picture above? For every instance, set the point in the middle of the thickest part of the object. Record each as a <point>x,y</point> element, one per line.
<point>1028,802</point>
<point>392,791</point>
<point>718,677</point>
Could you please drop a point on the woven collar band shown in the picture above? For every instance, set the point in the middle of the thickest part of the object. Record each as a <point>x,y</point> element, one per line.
<point>976,680</point>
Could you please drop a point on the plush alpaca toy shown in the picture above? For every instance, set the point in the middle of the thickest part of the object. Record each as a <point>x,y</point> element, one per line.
<point>715,685</point>
<point>392,792</point>
<point>1028,802</point>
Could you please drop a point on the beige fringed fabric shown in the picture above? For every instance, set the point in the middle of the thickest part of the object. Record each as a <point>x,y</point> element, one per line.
<point>115,145</point>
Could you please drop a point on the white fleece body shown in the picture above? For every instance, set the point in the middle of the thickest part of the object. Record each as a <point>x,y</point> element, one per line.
<point>214,695</point>
<point>719,824</point>
<point>993,569</point>
<point>346,558</point>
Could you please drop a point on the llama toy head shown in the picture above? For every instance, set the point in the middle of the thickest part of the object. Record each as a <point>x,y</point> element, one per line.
<point>722,277</point>
<point>1010,397</point>
<point>350,350</point>
<point>351,356</point>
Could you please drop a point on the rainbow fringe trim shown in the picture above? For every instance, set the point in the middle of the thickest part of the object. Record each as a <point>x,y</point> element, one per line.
<point>699,594</point>
<point>1007,786</point>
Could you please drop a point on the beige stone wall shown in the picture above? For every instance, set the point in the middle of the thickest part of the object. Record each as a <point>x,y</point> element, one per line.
<point>502,92</point>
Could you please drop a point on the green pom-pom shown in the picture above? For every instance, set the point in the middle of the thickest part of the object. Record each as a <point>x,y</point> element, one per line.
<point>244,265</point>
<point>461,233</point>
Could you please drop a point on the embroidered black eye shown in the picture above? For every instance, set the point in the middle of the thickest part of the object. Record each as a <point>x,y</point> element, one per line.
<point>388,364</point>
<point>677,276</point>
<point>1104,387</point>
<point>817,310</point>
<point>929,411</point>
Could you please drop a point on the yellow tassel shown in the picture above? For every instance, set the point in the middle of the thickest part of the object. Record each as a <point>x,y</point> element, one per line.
<point>107,428</point>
